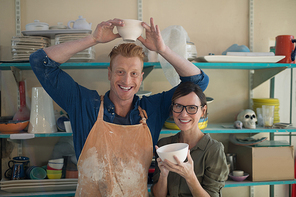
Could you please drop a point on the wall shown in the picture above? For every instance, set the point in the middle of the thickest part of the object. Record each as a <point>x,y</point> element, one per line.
<point>212,25</point>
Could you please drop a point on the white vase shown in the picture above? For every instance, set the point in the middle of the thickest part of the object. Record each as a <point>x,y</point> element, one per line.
<point>42,118</point>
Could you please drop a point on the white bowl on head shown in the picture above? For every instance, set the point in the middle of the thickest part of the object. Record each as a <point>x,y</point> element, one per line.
<point>131,30</point>
<point>170,150</point>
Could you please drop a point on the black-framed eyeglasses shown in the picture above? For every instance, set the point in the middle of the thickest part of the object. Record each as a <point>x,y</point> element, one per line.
<point>190,109</point>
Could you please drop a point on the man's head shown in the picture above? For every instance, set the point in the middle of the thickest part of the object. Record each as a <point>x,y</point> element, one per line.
<point>127,50</point>
<point>125,72</point>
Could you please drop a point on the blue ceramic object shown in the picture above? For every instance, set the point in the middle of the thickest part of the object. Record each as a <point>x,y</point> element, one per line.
<point>60,123</point>
<point>236,48</point>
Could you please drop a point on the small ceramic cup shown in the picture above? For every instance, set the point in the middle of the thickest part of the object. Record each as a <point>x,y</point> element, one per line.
<point>131,30</point>
<point>238,173</point>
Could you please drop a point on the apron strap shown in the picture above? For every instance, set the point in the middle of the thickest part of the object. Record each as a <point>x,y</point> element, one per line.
<point>143,115</point>
<point>101,110</point>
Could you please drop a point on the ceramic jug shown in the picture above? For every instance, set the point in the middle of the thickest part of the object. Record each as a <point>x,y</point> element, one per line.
<point>285,46</point>
<point>80,23</point>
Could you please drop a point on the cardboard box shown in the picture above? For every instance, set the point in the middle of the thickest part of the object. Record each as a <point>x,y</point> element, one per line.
<point>265,163</point>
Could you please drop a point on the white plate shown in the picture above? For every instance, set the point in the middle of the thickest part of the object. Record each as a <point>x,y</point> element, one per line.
<point>52,32</point>
<point>36,184</point>
<point>249,59</point>
<point>41,188</point>
<point>6,182</point>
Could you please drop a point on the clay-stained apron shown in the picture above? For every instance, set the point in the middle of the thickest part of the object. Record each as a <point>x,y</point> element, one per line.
<point>115,159</point>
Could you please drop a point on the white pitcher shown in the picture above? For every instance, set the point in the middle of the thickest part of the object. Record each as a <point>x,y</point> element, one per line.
<point>42,118</point>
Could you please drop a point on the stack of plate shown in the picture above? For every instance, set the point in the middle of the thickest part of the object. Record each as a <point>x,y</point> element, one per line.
<point>44,185</point>
<point>258,102</point>
<point>85,55</point>
<point>23,46</point>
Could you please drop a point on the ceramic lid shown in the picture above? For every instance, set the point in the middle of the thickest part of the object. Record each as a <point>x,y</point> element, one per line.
<point>37,23</point>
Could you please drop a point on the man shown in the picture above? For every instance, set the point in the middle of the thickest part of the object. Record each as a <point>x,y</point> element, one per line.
<point>113,134</point>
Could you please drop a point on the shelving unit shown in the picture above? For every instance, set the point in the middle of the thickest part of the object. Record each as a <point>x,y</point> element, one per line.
<point>261,73</point>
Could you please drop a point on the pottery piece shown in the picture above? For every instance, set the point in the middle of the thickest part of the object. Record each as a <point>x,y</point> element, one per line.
<point>238,178</point>
<point>238,173</point>
<point>131,30</point>
<point>42,118</point>
<point>176,149</point>
<point>37,26</point>
<point>80,23</point>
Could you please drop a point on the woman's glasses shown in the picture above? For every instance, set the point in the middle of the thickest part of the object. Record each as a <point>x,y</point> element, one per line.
<point>190,109</point>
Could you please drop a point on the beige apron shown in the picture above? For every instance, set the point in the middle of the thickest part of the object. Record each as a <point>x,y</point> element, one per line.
<point>115,159</point>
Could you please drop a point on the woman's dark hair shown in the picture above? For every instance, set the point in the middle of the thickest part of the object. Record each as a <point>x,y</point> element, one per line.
<point>186,88</point>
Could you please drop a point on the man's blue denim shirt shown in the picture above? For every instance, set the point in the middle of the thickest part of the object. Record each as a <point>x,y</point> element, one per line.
<point>82,104</point>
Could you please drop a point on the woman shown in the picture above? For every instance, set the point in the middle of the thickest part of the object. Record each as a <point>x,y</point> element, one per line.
<point>205,171</point>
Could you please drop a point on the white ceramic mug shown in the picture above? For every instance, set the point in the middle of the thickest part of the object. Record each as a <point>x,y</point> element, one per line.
<point>42,118</point>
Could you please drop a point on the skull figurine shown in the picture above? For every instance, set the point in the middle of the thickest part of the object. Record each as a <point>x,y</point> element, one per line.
<point>248,118</point>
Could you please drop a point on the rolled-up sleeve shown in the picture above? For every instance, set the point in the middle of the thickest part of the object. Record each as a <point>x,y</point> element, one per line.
<point>202,80</point>
<point>57,83</point>
<point>216,171</point>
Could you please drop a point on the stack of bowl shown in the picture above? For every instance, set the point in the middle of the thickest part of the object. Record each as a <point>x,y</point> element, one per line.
<point>54,168</point>
<point>258,102</point>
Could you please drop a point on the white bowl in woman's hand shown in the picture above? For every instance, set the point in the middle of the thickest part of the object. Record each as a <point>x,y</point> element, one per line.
<point>170,150</point>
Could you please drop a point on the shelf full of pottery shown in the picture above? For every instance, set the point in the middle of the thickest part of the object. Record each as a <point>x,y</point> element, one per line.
<point>39,121</point>
<point>39,34</point>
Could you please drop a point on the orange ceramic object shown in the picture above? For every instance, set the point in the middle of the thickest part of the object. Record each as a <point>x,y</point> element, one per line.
<point>71,174</point>
<point>13,127</point>
<point>285,46</point>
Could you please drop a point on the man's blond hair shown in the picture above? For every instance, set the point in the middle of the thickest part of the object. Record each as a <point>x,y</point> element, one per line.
<point>127,50</point>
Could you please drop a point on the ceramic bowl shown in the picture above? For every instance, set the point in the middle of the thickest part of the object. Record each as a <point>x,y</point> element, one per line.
<point>37,26</point>
<point>60,123</point>
<point>56,164</point>
<point>238,173</point>
<point>12,126</point>
<point>54,176</point>
<point>53,171</point>
<point>238,178</point>
<point>59,160</point>
<point>131,30</point>
<point>37,173</point>
<point>176,149</point>
<point>50,168</point>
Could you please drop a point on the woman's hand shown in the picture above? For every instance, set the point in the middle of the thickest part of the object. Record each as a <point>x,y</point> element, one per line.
<point>163,171</point>
<point>186,169</point>
<point>153,41</point>
<point>104,30</point>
